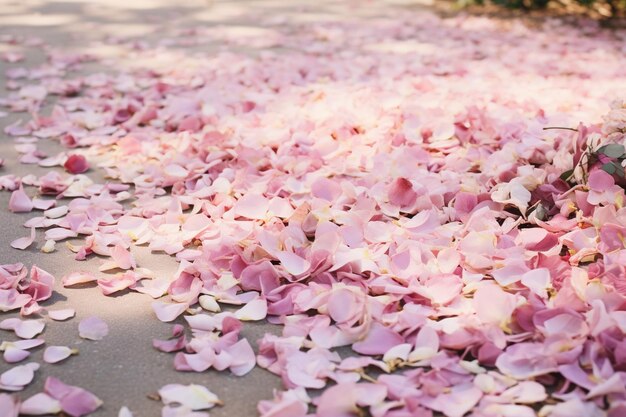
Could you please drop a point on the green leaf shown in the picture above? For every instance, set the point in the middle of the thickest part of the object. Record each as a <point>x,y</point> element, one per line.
<point>567,174</point>
<point>609,168</point>
<point>612,150</point>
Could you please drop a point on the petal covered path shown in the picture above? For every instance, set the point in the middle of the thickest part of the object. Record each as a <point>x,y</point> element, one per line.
<point>317,210</point>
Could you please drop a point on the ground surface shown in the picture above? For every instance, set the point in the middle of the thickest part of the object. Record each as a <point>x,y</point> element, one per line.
<point>123,368</point>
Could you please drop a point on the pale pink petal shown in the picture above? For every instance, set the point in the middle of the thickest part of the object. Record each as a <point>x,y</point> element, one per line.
<point>41,284</point>
<point>426,344</point>
<point>10,405</point>
<point>11,299</point>
<point>122,257</point>
<point>493,305</point>
<point>253,311</point>
<point>538,281</point>
<point>20,202</point>
<point>243,356</point>
<point>26,329</point>
<point>459,400</point>
<point>251,206</point>
<point>78,278</point>
<point>59,233</point>
<point>13,355</point>
<point>526,392</point>
<point>61,315</point>
<point>93,328</point>
<point>293,263</point>
<point>24,242</point>
<point>19,376</point>
<point>168,311</point>
<point>75,401</point>
<point>54,354</point>
<point>40,404</point>
<point>378,341</point>
<point>117,282</point>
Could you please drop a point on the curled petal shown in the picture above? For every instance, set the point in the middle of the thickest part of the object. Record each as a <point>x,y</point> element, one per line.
<point>76,164</point>
<point>243,357</point>
<point>24,242</point>
<point>168,311</point>
<point>76,278</point>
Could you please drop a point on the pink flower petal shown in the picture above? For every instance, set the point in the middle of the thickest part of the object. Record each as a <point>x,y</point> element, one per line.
<point>253,311</point>
<point>20,202</point>
<point>493,305</point>
<point>75,401</point>
<point>251,206</point>
<point>93,328</point>
<point>168,311</point>
<point>243,356</point>
<point>378,341</point>
<point>11,299</point>
<point>61,315</point>
<point>41,284</point>
<point>10,405</point>
<point>54,354</point>
<point>40,404</point>
<point>24,242</point>
<point>293,263</point>
<point>76,278</point>
<point>76,164</point>
<point>26,329</point>
<point>19,376</point>
<point>600,180</point>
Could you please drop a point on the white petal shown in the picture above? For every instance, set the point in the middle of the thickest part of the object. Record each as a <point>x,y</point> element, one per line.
<point>195,397</point>
<point>208,303</point>
<point>254,310</point>
<point>125,412</point>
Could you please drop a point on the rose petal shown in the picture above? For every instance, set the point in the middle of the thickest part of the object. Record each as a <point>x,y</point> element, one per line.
<point>195,397</point>
<point>40,404</point>
<point>24,242</point>
<point>54,354</point>
<point>60,315</point>
<point>19,376</point>
<point>93,328</point>
<point>253,311</point>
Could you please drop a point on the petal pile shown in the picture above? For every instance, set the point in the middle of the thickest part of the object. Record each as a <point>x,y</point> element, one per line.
<point>417,188</point>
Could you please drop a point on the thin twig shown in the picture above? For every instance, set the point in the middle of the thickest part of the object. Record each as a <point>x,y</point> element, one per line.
<point>560,128</point>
